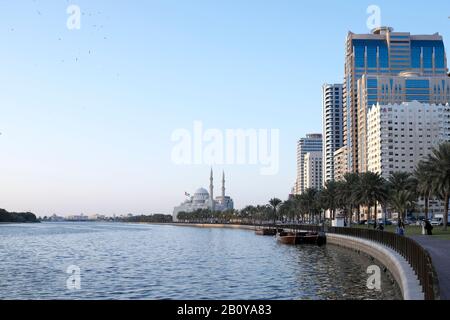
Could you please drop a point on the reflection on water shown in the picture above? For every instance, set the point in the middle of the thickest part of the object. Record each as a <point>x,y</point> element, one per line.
<point>120,261</point>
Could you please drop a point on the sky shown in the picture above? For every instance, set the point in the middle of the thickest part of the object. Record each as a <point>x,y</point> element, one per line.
<point>87,115</point>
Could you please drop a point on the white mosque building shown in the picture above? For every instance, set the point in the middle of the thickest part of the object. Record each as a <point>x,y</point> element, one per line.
<point>204,200</point>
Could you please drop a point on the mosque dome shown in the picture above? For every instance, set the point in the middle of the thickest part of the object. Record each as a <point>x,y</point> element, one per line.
<point>201,195</point>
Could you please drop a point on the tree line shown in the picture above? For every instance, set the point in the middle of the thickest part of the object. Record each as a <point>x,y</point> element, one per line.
<point>356,194</point>
<point>155,218</point>
<point>209,216</point>
<point>17,217</point>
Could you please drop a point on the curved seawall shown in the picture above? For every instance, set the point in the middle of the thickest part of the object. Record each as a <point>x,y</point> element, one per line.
<point>400,269</point>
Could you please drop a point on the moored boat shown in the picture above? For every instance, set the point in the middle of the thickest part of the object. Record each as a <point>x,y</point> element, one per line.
<point>295,238</point>
<point>266,232</point>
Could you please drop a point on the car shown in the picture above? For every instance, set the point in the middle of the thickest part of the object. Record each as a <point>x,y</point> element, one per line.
<point>385,222</point>
<point>407,222</point>
<point>392,221</point>
<point>362,222</point>
<point>437,222</point>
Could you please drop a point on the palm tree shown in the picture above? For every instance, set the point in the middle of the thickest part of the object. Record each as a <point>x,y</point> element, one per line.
<point>297,204</point>
<point>287,210</point>
<point>274,203</point>
<point>439,161</point>
<point>402,201</point>
<point>348,193</point>
<point>329,198</point>
<point>401,181</point>
<point>182,216</point>
<point>424,183</point>
<point>345,199</point>
<point>302,207</point>
<point>263,213</point>
<point>310,202</point>
<point>371,190</point>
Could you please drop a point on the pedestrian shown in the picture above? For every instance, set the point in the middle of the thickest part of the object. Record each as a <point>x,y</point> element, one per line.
<point>428,228</point>
<point>400,228</point>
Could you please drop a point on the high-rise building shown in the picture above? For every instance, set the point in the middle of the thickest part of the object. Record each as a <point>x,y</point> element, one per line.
<point>424,94</point>
<point>401,135</point>
<point>332,108</point>
<point>340,164</point>
<point>384,53</point>
<point>312,143</point>
<point>312,166</point>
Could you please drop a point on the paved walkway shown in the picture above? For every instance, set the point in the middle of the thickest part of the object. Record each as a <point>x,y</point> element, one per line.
<point>440,254</point>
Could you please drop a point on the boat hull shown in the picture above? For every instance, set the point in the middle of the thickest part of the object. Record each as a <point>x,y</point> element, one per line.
<point>302,238</point>
<point>266,232</point>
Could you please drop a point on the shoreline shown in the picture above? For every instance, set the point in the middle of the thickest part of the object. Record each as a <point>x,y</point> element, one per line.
<point>211,226</point>
<point>5,223</point>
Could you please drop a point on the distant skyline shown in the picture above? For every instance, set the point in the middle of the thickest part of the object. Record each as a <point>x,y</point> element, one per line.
<point>87,115</point>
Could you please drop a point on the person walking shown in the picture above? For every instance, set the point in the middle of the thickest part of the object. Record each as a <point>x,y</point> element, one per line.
<point>400,228</point>
<point>428,228</point>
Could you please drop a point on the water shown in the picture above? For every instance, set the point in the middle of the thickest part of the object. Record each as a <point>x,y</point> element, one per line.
<point>122,261</point>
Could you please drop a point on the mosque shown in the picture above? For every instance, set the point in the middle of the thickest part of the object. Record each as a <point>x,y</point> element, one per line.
<point>204,200</point>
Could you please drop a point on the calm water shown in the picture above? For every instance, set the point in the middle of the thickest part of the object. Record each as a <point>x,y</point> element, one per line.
<point>120,261</point>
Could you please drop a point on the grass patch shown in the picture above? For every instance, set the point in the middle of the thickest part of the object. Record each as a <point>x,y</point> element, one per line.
<point>438,232</point>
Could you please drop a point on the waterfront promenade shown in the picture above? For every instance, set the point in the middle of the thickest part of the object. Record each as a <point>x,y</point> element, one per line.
<point>439,251</point>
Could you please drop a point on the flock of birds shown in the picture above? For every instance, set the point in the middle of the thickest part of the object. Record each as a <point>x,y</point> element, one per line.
<point>96,27</point>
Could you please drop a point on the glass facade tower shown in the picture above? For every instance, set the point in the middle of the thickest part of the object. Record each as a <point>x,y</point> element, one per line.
<point>385,53</point>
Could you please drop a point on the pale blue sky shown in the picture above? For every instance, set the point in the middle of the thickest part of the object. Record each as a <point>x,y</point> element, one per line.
<point>86,116</point>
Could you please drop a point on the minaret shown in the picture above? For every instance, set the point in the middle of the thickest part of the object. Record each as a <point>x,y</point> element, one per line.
<point>211,190</point>
<point>223,185</point>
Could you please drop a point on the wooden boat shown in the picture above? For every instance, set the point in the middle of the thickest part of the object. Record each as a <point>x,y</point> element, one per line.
<point>293,238</point>
<point>266,232</point>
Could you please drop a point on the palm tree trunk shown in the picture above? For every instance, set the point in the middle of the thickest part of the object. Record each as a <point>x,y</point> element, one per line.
<point>351,216</point>
<point>358,212</point>
<point>427,200</point>
<point>447,196</point>
<point>368,216</point>
<point>375,214</point>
